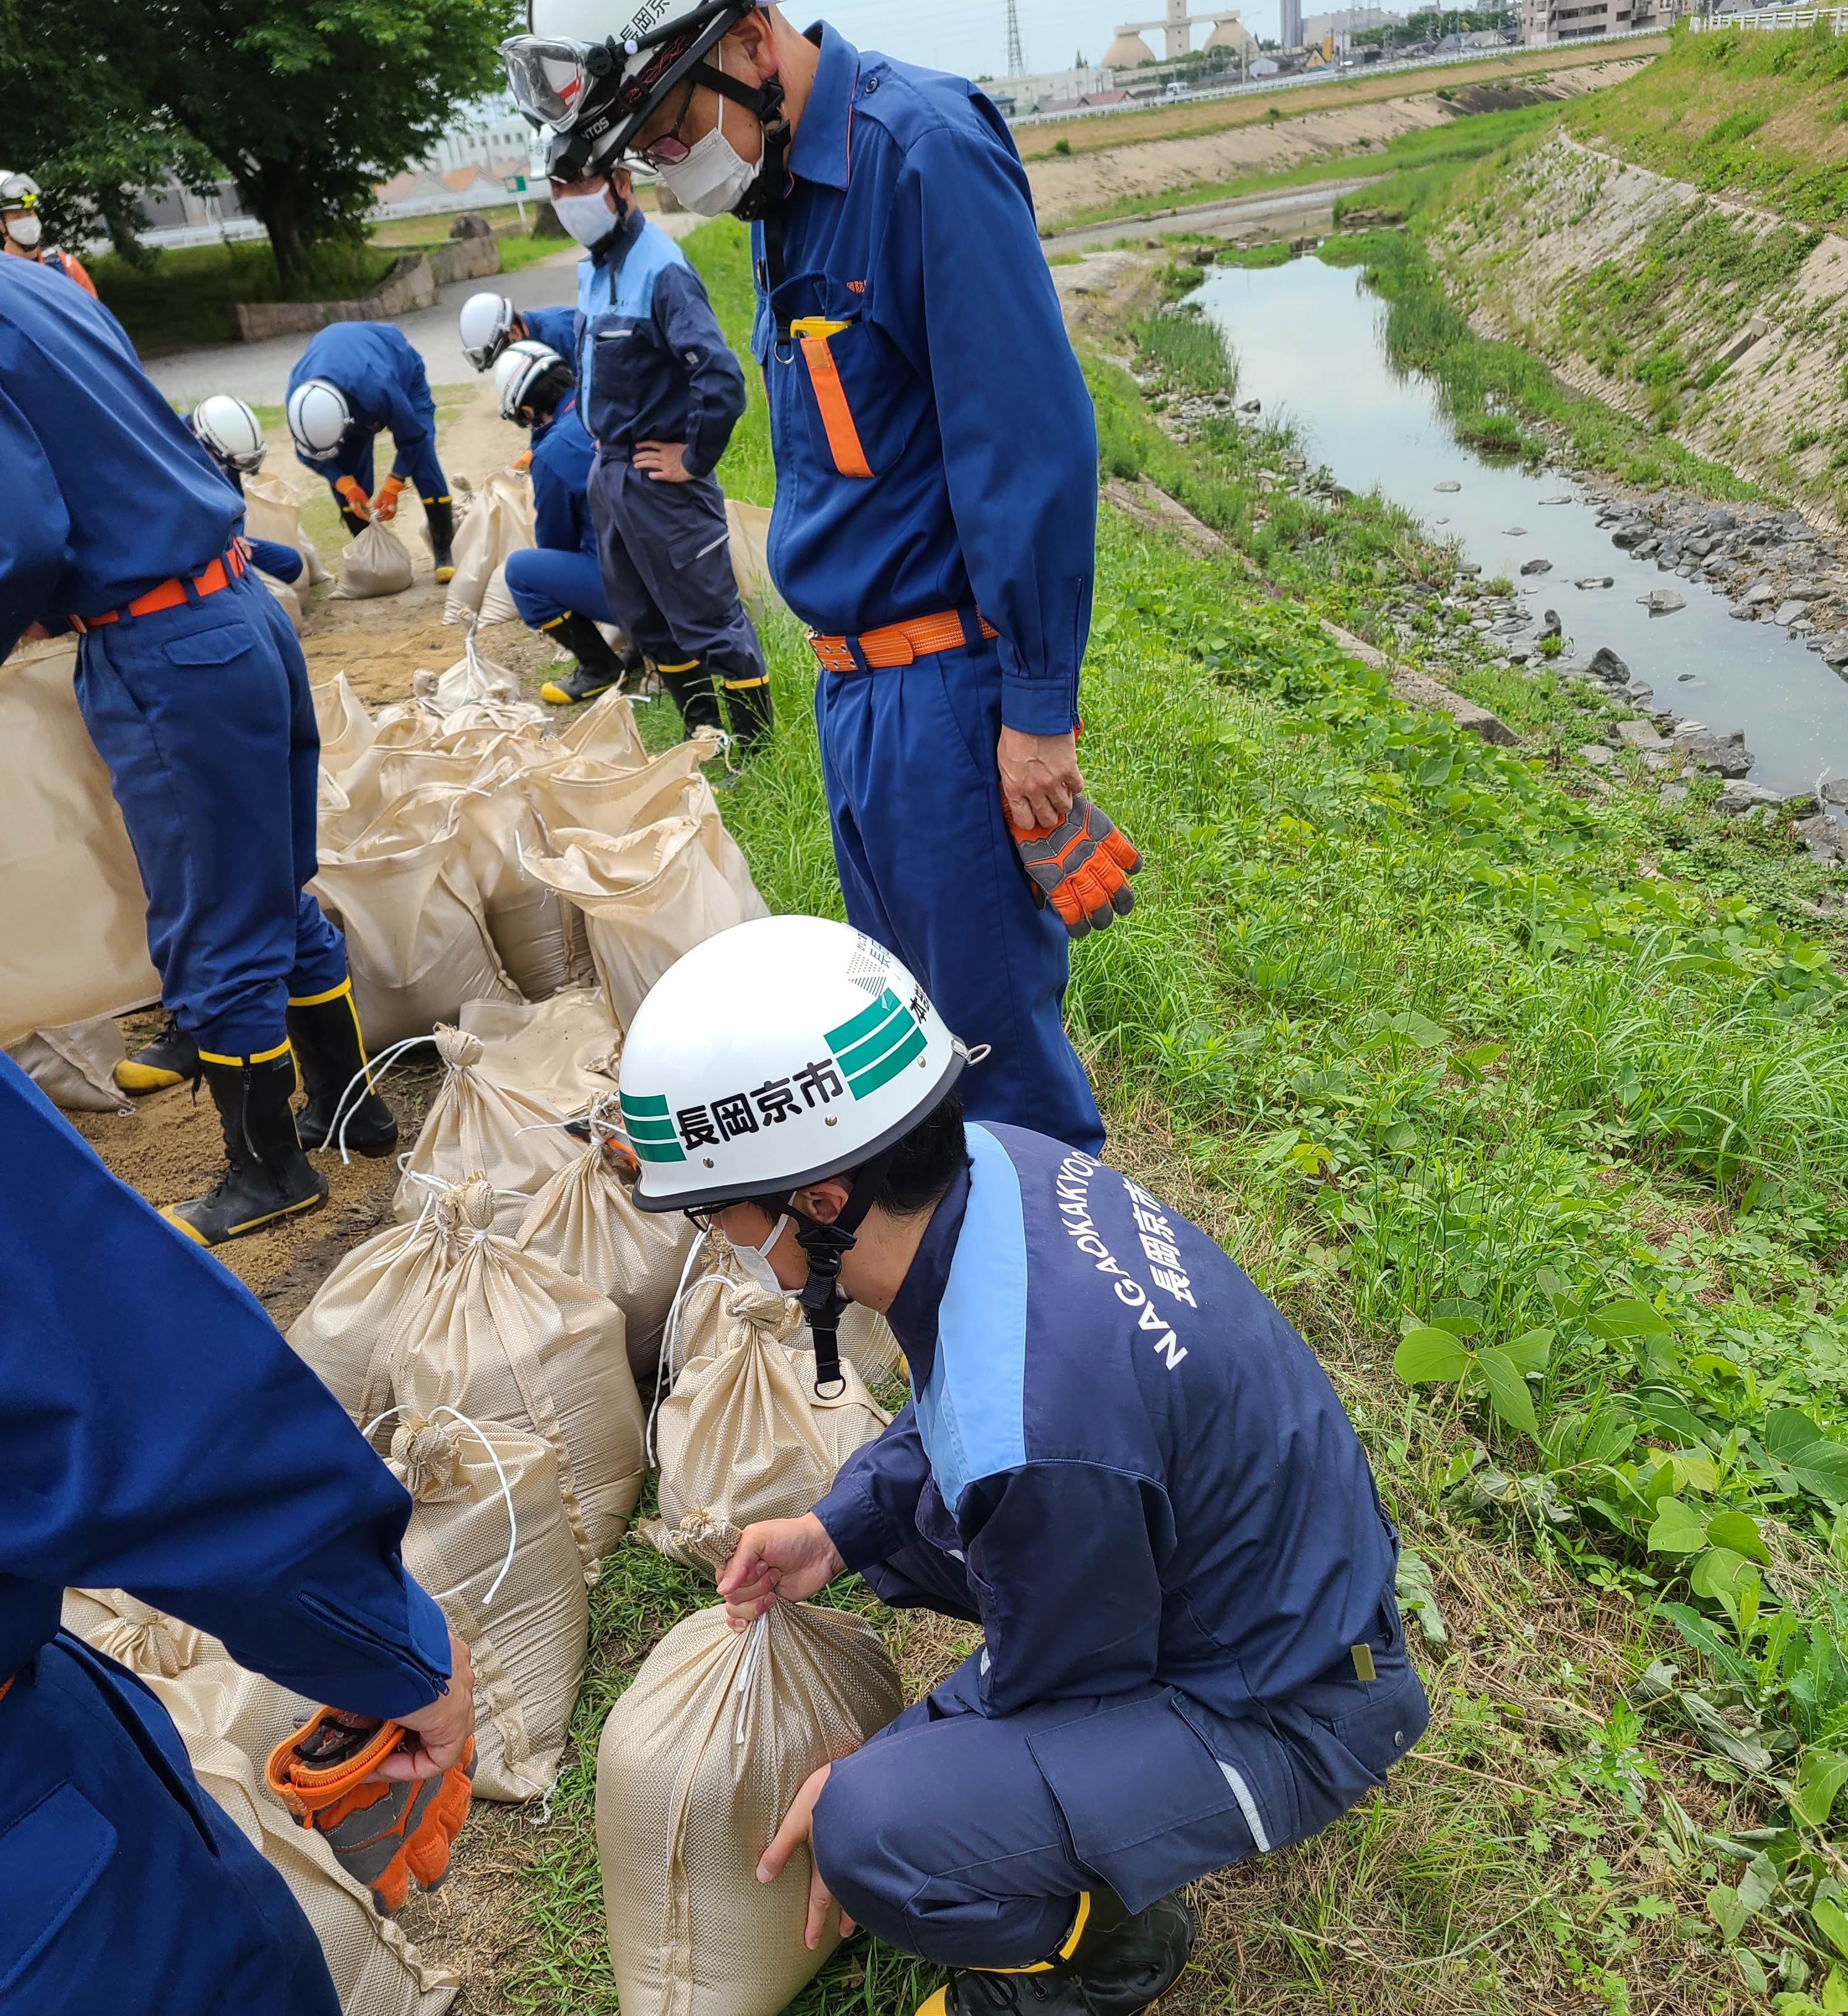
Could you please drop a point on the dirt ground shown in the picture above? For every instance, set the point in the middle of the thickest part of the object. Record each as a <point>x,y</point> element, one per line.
<point>1165,154</point>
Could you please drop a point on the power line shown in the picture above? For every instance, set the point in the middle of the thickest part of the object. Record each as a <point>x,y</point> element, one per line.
<point>1016,63</point>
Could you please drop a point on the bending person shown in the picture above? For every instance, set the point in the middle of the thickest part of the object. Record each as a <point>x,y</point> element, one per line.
<point>159,1436</point>
<point>489,322</point>
<point>556,585</point>
<point>1120,1461</point>
<point>354,380</point>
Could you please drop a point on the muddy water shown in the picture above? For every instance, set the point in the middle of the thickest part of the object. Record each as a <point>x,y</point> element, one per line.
<point>1309,343</point>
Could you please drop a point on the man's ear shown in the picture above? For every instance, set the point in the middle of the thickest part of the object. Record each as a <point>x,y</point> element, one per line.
<point>754,40</point>
<point>824,1201</point>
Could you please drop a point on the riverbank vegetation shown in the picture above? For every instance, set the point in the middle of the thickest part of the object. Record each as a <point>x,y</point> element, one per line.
<point>1526,1101</point>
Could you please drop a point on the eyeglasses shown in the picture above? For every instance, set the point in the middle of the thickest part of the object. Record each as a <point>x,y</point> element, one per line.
<point>670,149</point>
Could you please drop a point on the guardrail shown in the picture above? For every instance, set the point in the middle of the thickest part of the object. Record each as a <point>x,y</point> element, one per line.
<point>1770,18</point>
<point>1328,74</point>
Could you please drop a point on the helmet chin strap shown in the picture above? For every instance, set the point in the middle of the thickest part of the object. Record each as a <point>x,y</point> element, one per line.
<point>824,1247</point>
<point>764,102</point>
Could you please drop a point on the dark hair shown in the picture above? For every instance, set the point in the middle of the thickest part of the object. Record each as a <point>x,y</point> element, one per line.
<point>929,1160</point>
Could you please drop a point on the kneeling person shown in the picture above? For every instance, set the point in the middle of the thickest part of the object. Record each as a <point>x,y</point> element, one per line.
<point>556,585</point>
<point>1119,1460</point>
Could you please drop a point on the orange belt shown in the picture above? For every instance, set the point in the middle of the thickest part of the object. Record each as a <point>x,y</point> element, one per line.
<point>897,644</point>
<point>171,594</point>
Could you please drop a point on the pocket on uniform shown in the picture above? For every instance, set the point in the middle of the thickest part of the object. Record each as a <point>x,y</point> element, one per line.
<point>50,1858</point>
<point>212,647</point>
<point>863,398</point>
<point>1147,1805</point>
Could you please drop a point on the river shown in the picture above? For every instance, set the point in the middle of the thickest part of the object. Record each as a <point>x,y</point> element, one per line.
<point>1310,341</point>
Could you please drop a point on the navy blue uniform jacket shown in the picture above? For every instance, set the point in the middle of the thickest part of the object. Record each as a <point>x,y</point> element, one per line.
<point>1142,1466</point>
<point>556,328</point>
<point>107,493</point>
<point>656,366</point>
<point>561,469</point>
<point>909,223</point>
<point>384,378</point>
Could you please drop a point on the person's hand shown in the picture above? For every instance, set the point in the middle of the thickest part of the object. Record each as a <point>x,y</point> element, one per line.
<point>791,1558</point>
<point>1039,776</point>
<point>662,461</point>
<point>441,1730</point>
<point>798,1827</point>
<point>385,508</point>
<point>35,632</point>
<point>358,501</point>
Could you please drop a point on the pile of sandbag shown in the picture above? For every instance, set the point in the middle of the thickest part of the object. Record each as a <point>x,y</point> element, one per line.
<point>499,521</point>
<point>230,1720</point>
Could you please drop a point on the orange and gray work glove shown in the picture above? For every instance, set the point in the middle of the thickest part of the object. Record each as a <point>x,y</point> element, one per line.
<point>382,1832</point>
<point>384,504</point>
<point>1081,866</point>
<point>523,462</point>
<point>358,501</point>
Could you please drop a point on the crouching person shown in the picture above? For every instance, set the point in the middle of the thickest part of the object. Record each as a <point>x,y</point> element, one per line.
<point>556,585</point>
<point>1119,1459</point>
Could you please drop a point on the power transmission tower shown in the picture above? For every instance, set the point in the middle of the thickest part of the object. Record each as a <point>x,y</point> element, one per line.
<point>1016,63</point>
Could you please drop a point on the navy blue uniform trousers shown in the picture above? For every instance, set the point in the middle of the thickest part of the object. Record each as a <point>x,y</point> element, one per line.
<point>546,584</point>
<point>666,555</point>
<point>929,869</point>
<point>128,1890</point>
<point>964,1838</point>
<point>204,715</point>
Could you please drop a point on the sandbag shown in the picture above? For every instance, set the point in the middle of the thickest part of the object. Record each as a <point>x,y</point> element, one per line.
<point>478,1125</point>
<point>474,681</point>
<point>73,938</point>
<point>341,1333</point>
<point>489,1539</point>
<point>585,1222</point>
<point>698,1324</point>
<point>749,527</point>
<point>500,521</point>
<point>743,1435</point>
<point>501,1335</point>
<point>230,1720</point>
<point>417,944</point>
<point>564,1051</point>
<point>497,605</point>
<point>539,933</point>
<point>571,790</point>
<point>74,1067</point>
<point>377,562</point>
<point>285,593</point>
<point>649,897</point>
<point>273,510</point>
<point>698,1762</point>
<point>347,731</point>
<point>606,732</point>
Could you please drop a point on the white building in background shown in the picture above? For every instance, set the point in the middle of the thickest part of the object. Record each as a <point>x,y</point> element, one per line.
<point>1349,21</point>
<point>1547,21</point>
<point>481,135</point>
<point>1019,97</point>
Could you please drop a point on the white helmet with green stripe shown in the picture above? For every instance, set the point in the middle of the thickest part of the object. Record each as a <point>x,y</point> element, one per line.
<point>778,1053</point>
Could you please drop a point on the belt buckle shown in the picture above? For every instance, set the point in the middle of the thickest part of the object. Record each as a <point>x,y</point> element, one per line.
<point>831,653</point>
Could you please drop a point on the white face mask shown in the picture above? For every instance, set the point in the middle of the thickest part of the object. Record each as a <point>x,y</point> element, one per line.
<point>714,175</point>
<point>589,218</point>
<point>24,230</point>
<point>755,1260</point>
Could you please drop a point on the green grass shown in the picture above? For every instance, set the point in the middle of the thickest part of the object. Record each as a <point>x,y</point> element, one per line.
<point>1458,1062</point>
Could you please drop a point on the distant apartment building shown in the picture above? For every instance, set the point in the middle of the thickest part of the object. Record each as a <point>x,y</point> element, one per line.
<point>1548,21</point>
<point>1349,21</point>
<point>1289,27</point>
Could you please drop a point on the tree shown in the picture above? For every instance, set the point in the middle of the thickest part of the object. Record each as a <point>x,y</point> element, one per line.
<point>307,107</point>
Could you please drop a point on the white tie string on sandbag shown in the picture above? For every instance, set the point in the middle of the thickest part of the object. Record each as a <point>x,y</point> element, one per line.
<point>747,1672</point>
<point>368,1072</point>
<point>665,1368</point>
<point>506,1494</point>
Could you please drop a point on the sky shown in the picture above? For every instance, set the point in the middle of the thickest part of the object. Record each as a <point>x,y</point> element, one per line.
<point>970,37</point>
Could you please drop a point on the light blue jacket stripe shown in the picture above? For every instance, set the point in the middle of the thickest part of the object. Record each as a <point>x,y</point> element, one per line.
<point>628,292</point>
<point>972,1414</point>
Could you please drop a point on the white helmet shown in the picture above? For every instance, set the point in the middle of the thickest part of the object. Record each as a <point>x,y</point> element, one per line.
<point>486,324</point>
<point>19,191</point>
<point>229,429</point>
<point>319,418</point>
<point>522,369</point>
<point>773,1055</point>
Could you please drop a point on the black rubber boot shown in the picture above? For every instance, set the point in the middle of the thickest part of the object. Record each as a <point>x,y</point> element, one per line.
<point>598,668</point>
<point>352,520</point>
<point>171,1059</point>
<point>268,1177</point>
<point>1110,1964</point>
<point>332,1053</point>
<point>690,688</point>
<point>439,515</point>
<point>747,702</point>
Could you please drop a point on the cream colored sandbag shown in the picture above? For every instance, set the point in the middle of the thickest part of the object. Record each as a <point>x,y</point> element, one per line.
<point>605,732</point>
<point>347,731</point>
<point>473,682</point>
<point>499,522</point>
<point>417,944</point>
<point>230,1720</point>
<point>538,934</point>
<point>478,1125</point>
<point>501,1335</point>
<point>565,1052</point>
<point>73,938</point>
<point>377,562</point>
<point>341,1333</point>
<point>697,1763</point>
<point>286,595</point>
<point>74,1067</point>
<point>749,527</point>
<point>581,793</point>
<point>744,1435</point>
<point>698,1324</point>
<point>647,898</point>
<point>497,605</point>
<point>490,1540</point>
<point>585,1222</point>
<point>273,510</point>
